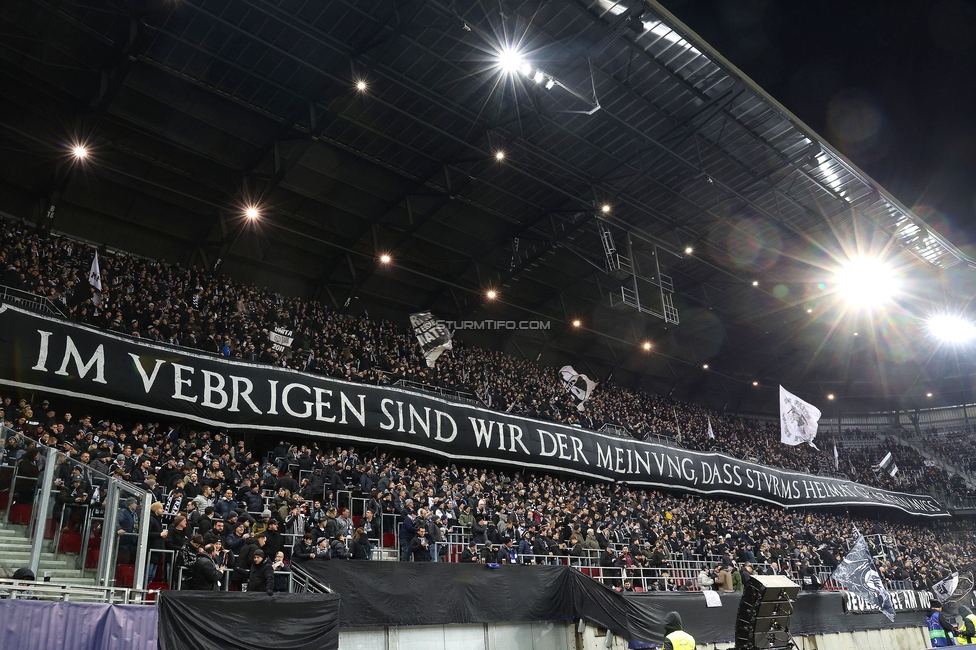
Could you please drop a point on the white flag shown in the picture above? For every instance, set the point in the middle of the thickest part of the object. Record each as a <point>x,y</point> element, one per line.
<point>944,588</point>
<point>579,385</point>
<point>798,419</point>
<point>711,434</point>
<point>95,275</point>
<point>836,459</point>
<point>888,465</point>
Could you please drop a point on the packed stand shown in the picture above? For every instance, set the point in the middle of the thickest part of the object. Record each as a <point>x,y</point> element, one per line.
<point>223,516</point>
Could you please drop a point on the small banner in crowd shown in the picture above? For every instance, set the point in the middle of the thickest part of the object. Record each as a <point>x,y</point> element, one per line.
<point>95,275</point>
<point>579,385</point>
<point>857,574</point>
<point>433,336</point>
<point>281,338</point>
<point>888,465</point>
<point>711,434</point>
<point>798,419</point>
<point>50,357</point>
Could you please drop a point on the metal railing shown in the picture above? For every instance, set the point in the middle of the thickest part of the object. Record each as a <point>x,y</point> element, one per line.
<point>26,300</point>
<point>449,393</point>
<point>34,590</point>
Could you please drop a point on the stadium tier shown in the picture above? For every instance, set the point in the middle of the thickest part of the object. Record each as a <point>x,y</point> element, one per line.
<point>425,324</point>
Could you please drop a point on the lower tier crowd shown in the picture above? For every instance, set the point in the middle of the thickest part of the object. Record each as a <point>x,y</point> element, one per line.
<point>220,506</point>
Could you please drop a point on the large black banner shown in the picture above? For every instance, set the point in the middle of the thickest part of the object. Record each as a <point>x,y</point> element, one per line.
<point>54,356</point>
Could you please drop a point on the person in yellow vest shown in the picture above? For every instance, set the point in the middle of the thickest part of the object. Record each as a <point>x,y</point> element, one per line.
<point>674,637</point>
<point>967,631</point>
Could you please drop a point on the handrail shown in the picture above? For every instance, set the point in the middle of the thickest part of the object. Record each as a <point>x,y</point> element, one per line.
<point>19,589</point>
<point>30,301</point>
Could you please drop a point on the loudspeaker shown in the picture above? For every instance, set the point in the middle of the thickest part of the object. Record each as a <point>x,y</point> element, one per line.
<point>763,619</point>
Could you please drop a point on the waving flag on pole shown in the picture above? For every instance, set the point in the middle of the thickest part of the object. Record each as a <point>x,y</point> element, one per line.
<point>579,385</point>
<point>95,280</point>
<point>836,459</point>
<point>857,574</point>
<point>711,434</point>
<point>798,419</point>
<point>944,589</point>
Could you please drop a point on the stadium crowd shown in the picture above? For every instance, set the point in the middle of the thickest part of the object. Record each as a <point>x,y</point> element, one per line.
<point>212,510</point>
<point>188,307</point>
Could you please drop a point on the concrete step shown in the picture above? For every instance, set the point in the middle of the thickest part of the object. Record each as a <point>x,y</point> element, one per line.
<point>11,559</point>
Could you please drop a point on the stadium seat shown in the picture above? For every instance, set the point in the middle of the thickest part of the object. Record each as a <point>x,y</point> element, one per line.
<point>70,543</point>
<point>4,497</point>
<point>124,575</point>
<point>389,540</point>
<point>355,520</point>
<point>20,513</point>
<point>156,586</point>
<point>91,558</point>
<point>50,527</point>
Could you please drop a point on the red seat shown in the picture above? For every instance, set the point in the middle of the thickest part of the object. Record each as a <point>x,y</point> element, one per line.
<point>639,590</point>
<point>4,497</point>
<point>91,561</point>
<point>125,575</point>
<point>50,527</point>
<point>355,521</point>
<point>389,540</point>
<point>20,513</point>
<point>156,586</point>
<point>70,543</point>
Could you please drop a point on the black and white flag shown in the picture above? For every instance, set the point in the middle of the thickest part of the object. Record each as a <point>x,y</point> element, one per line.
<point>857,574</point>
<point>798,419</point>
<point>579,385</point>
<point>281,338</point>
<point>836,458</point>
<point>711,434</point>
<point>95,280</point>
<point>433,336</point>
<point>888,464</point>
<point>944,589</point>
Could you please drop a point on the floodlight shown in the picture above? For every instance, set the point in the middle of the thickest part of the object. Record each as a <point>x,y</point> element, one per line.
<point>251,212</point>
<point>605,208</point>
<point>509,60</point>
<point>866,282</point>
<point>491,294</point>
<point>647,345</point>
<point>705,366</point>
<point>79,151</point>
<point>550,83</point>
<point>755,383</point>
<point>385,259</point>
<point>689,250</point>
<point>538,77</point>
<point>950,328</point>
<point>499,155</point>
<point>928,394</point>
<point>755,283</point>
<point>576,323</point>
<point>831,396</point>
<point>526,69</point>
<point>360,85</point>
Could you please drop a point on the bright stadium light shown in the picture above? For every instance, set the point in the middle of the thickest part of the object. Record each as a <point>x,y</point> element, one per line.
<point>79,151</point>
<point>385,259</point>
<point>251,212</point>
<point>831,396</point>
<point>606,208</point>
<point>492,294</point>
<point>866,282</point>
<point>689,250</point>
<point>647,345</point>
<point>577,323</point>
<point>538,77</point>
<point>360,85</point>
<point>509,60</point>
<point>950,328</point>
<point>499,155</point>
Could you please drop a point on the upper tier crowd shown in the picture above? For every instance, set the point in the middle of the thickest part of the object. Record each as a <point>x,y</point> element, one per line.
<point>211,483</point>
<point>191,308</point>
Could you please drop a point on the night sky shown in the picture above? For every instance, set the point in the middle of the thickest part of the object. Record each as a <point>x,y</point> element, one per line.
<point>891,84</point>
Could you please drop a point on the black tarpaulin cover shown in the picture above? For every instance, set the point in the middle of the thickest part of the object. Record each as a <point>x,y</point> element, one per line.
<point>440,593</point>
<point>813,613</point>
<point>203,620</point>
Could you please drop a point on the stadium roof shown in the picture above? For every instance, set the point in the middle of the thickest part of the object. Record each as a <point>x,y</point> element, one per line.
<point>192,110</point>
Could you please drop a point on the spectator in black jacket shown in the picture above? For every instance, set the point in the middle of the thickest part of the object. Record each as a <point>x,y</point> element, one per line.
<point>206,576</point>
<point>420,546</point>
<point>361,547</point>
<point>275,541</point>
<point>304,548</point>
<point>261,574</point>
<point>157,540</point>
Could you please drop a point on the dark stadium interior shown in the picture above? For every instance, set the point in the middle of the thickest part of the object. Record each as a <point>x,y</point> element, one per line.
<point>191,110</point>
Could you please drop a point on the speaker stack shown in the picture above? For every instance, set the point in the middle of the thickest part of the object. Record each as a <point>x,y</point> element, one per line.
<point>763,620</point>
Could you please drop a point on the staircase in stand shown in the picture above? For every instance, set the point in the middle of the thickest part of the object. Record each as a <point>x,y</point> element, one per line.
<point>15,549</point>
